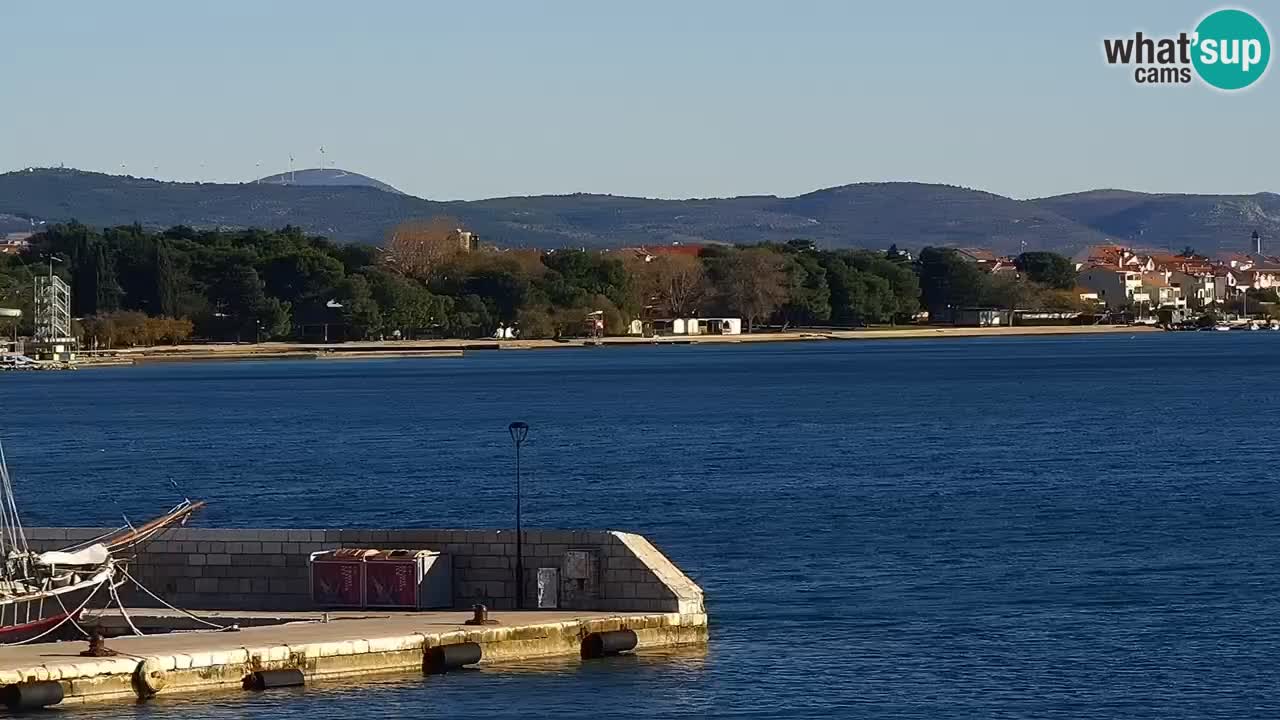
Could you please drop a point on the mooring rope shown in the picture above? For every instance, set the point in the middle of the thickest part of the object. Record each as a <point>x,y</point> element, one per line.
<point>70,615</point>
<point>161,600</point>
<point>115,595</point>
<point>64,620</point>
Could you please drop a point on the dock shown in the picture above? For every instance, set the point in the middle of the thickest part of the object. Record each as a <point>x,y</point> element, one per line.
<point>249,621</point>
<point>149,665</point>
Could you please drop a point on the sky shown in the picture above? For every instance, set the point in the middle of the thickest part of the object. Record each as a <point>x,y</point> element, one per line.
<point>659,98</point>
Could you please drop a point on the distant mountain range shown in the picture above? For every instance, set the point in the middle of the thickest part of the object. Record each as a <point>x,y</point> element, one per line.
<point>353,207</point>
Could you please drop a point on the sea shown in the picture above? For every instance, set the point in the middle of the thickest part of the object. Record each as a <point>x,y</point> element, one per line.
<point>1035,527</point>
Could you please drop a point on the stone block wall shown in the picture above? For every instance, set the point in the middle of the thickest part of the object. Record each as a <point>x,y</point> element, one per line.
<point>250,569</point>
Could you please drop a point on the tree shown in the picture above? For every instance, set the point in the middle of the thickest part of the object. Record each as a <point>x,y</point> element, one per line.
<point>359,310</point>
<point>904,286</point>
<point>504,292</point>
<point>405,305</point>
<point>1007,291</point>
<point>272,320</point>
<point>302,274</point>
<point>594,272</point>
<point>947,280</point>
<point>243,309</point>
<point>418,248</point>
<point>1049,269</point>
<point>1065,300</point>
<point>675,285</point>
<point>752,283</point>
<point>166,280</point>
<point>857,296</point>
<point>468,316</point>
<point>106,291</point>
<point>808,293</point>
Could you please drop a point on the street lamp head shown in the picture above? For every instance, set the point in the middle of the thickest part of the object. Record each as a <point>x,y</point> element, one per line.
<point>519,431</point>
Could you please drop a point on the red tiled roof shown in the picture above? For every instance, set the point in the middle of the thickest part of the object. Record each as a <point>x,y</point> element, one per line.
<point>979,254</point>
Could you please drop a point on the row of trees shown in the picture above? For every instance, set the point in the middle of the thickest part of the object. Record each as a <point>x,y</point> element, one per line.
<point>1043,281</point>
<point>132,286</point>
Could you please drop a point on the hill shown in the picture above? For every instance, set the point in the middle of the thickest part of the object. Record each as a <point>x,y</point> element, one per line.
<point>327,177</point>
<point>862,215</point>
<point>1211,224</point>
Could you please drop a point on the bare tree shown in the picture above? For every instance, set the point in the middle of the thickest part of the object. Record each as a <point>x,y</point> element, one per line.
<point>675,284</point>
<point>417,248</point>
<point>753,282</point>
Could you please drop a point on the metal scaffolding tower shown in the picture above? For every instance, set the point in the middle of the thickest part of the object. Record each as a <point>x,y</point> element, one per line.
<point>52,308</point>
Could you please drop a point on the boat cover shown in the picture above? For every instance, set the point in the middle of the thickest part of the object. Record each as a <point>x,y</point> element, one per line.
<point>92,555</point>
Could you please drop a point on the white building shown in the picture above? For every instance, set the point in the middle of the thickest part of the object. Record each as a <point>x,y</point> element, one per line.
<point>1115,287</point>
<point>698,326</point>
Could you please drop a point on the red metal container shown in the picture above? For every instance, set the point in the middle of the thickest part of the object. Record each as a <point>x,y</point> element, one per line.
<point>337,578</point>
<point>391,580</point>
<point>408,580</point>
<point>400,579</point>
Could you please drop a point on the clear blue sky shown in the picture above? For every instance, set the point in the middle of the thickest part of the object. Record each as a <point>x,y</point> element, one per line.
<point>687,98</point>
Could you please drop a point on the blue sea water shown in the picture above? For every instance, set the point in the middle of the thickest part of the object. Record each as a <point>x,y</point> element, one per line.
<point>1083,527</point>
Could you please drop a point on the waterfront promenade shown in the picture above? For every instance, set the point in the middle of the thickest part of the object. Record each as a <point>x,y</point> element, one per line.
<point>457,347</point>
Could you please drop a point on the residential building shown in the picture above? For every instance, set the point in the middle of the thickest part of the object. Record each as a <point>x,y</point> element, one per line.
<point>1114,256</point>
<point>1192,264</point>
<point>14,243</point>
<point>1265,273</point>
<point>988,261</point>
<point>1115,287</point>
<point>1198,289</point>
<point>1160,293</point>
<point>977,255</point>
<point>1225,284</point>
<point>467,240</point>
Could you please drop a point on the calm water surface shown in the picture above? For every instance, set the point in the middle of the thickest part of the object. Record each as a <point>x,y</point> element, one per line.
<point>993,528</point>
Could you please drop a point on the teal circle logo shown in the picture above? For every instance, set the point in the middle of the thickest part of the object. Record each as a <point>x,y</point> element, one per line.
<point>1231,49</point>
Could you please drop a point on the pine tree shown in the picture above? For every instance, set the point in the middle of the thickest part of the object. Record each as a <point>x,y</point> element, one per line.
<point>166,303</point>
<point>106,288</point>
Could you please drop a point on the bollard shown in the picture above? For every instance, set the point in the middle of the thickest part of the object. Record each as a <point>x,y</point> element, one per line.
<point>480,616</point>
<point>32,696</point>
<point>602,644</point>
<point>268,679</point>
<point>443,658</point>
<point>97,645</point>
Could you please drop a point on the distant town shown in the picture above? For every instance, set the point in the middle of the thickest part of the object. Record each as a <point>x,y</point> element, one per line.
<point>69,292</point>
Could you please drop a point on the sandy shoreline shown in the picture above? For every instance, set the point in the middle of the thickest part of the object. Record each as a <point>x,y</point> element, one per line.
<point>384,349</point>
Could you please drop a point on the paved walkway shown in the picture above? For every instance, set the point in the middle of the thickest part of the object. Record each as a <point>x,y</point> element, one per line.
<point>343,627</point>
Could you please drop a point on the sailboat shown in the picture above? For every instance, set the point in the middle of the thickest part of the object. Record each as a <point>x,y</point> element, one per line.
<point>41,591</point>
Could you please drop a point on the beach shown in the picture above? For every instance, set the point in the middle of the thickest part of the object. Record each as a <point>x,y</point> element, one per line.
<point>453,347</point>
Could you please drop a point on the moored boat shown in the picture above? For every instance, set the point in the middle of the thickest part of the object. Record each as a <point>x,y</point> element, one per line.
<point>40,591</point>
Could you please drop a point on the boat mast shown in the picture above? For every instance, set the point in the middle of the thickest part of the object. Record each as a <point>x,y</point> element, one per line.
<point>12,538</point>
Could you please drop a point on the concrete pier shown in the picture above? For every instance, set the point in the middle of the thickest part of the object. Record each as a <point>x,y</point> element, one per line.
<point>604,582</point>
<point>199,661</point>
